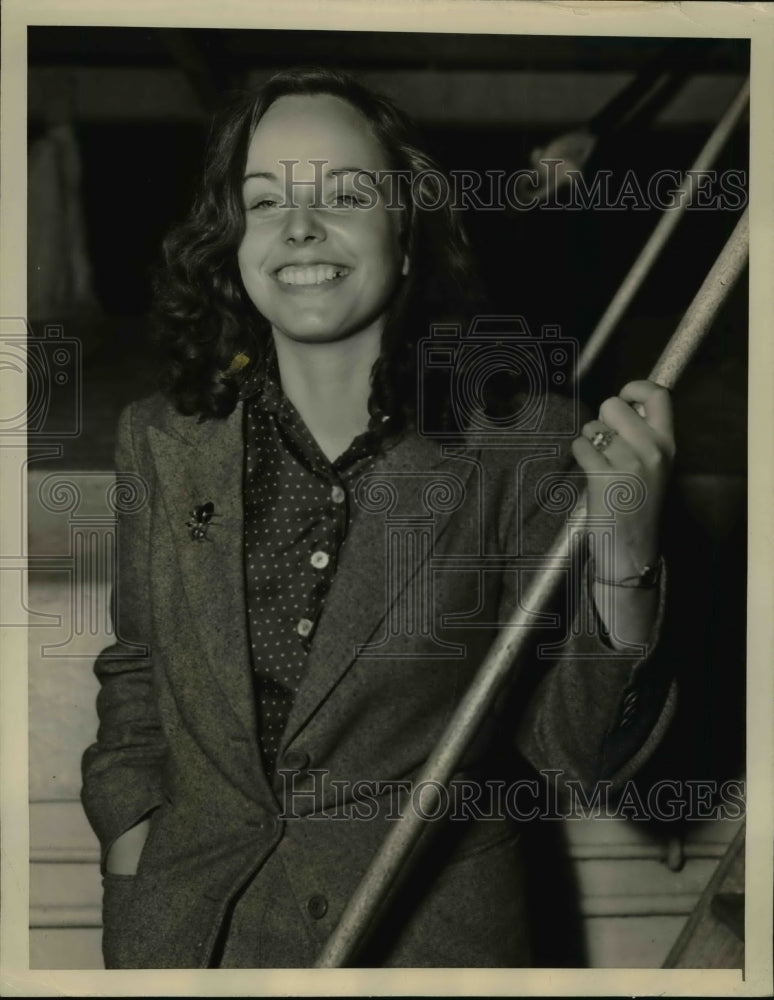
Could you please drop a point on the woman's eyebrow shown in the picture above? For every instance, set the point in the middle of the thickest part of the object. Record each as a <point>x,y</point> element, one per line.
<point>354,170</point>
<point>269,176</point>
<point>265,174</point>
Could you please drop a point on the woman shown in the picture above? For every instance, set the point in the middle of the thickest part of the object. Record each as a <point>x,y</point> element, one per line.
<point>325,557</point>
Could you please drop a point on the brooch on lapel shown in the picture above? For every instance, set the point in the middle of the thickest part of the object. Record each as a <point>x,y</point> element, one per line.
<point>200,520</point>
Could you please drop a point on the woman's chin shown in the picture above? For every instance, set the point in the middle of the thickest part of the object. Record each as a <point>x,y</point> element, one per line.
<point>321,333</point>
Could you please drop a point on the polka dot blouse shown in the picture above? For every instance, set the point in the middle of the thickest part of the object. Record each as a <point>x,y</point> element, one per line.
<point>297,507</point>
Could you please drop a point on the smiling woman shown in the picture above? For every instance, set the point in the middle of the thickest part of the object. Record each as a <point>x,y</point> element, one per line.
<point>288,658</point>
<point>316,263</point>
<point>316,150</point>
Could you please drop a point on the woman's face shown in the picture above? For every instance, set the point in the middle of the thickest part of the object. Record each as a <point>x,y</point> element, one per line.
<point>320,257</point>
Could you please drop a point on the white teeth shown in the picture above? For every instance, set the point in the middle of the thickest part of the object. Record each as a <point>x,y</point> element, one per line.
<point>314,274</point>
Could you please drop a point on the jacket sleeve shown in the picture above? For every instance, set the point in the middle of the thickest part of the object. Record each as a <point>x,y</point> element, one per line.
<point>587,710</point>
<point>122,770</point>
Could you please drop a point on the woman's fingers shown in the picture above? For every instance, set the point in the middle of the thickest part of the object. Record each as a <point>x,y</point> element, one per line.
<point>650,436</point>
<point>587,456</point>
<point>656,402</point>
<point>611,465</point>
<point>611,448</point>
<point>639,437</point>
<point>624,442</point>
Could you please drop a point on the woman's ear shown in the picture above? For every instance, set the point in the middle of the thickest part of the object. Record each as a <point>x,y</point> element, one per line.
<point>405,269</point>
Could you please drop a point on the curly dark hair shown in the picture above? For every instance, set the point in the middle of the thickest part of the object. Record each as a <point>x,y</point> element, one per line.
<point>202,314</point>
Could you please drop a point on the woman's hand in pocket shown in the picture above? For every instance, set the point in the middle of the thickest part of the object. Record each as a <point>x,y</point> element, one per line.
<point>124,854</point>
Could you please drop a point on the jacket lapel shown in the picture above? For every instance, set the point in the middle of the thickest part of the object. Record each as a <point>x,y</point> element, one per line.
<point>370,582</point>
<point>210,468</point>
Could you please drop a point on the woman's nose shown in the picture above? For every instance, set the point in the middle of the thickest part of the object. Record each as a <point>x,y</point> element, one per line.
<point>302,225</point>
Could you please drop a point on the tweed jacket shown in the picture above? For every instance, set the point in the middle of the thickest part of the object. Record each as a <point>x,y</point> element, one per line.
<point>442,540</point>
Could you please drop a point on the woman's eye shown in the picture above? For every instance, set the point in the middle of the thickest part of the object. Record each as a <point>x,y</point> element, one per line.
<point>263,203</point>
<point>346,201</point>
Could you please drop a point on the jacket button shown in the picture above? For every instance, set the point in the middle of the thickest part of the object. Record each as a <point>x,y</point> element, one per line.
<point>296,760</point>
<point>317,906</point>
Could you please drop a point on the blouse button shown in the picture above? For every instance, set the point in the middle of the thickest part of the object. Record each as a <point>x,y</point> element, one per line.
<point>337,494</point>
<point>320,560</point>
<point>304,626</point>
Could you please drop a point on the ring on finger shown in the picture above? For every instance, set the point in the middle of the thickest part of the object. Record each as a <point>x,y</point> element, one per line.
<point>601,439</point>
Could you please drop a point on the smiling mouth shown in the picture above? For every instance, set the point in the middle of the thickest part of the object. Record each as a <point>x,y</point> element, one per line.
<point>310,274</point>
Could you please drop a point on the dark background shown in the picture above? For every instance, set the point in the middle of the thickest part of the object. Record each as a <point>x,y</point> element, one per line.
<point>139,169</point>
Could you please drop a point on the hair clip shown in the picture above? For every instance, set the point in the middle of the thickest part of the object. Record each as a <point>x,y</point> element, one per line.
<point>238,362</point>
<point>201,517</point>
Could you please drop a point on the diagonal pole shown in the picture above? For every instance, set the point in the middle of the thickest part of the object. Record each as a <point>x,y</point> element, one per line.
<point>657,240</point>
<point>501,661</point>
